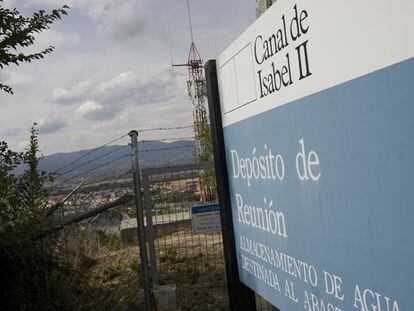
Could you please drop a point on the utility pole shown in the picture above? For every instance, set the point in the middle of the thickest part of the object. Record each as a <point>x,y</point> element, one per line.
<point>140,221</point>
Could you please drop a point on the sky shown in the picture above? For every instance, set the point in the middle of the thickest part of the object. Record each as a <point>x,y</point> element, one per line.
<point>111,69</point>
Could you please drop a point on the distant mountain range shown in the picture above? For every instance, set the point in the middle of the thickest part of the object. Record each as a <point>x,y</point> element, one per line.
<point>151,154</point>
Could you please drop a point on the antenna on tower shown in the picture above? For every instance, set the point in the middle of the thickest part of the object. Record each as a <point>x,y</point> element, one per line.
<point>189,19</point>
<point>197,92</point>
<point>194,60</point>
<point>169,42</point>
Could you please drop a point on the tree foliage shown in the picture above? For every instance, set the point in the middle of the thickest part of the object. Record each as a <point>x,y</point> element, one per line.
<point>17,32</point>
<point>22,197</point>
<point>205,154</point>
<point>30,277</point>
<point>33,180</point>
<point>9,160</point>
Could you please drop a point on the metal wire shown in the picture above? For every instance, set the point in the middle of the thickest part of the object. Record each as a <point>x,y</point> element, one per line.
<point>120,148</point>
<point>167,148</point>
<point>88,153</point>
<point>167,139</point>
<point>165,128</point>
<point>93,160</point>
<point>91,170</point>
<point>199,255</point>
<point>194,262</point>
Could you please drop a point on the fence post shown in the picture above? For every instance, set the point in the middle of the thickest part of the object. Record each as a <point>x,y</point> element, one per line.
<point>65,239</point>
<point>150,228</point>
<point>140,221</point>
<point>45,265</point>
<point>240,296</point>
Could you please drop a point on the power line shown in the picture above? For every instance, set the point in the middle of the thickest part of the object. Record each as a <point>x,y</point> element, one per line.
<point>119,158</point>
<point>165,128</point>
<point>93,160</point>
<point>166,139</point>
<point>120,148</point>
<point>91,170</point>
<point>112,161</point>
<point>88,153</point>
<point>167,148</point>
<point>91,183</point>
<point>120,137</point>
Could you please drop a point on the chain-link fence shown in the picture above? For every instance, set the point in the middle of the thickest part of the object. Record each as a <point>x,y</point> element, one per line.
<point>98,240</point>
<point>90,245</point>
<point>190,260</point>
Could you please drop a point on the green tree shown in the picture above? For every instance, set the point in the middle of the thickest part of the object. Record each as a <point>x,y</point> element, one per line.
<point>17,32</point>
<point>9,160</point>
<point>24,261</point>
<point>205,154</point>
<point>21,197</point>
<point>32,181</point>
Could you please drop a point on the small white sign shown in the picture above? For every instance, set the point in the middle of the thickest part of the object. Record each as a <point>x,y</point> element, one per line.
<point>206,218</point>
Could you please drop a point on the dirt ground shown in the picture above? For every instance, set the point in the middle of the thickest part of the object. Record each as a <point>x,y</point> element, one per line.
<point>193,263</point>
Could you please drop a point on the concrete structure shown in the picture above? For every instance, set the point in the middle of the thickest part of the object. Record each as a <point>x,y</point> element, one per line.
<point>262,5</point>
<point>163,225</point>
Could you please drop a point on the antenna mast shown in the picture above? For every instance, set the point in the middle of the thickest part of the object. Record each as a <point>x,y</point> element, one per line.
<point>189,19</point>
<point>197,92</point>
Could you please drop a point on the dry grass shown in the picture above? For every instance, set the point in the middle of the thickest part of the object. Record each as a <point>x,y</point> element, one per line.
<point>111,278</point>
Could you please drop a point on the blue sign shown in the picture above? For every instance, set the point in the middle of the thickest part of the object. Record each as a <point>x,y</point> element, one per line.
<point>205,218</point>
<point>319,141</point>
<point>205,208</point>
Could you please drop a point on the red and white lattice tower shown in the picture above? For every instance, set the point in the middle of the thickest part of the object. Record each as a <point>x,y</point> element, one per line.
<point>196,85</point>
<point>197,92</point>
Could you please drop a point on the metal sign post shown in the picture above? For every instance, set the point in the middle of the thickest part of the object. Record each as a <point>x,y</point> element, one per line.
<point>240,296</point>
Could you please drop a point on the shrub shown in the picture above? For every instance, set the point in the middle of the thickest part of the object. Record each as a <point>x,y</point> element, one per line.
<point>113,242</point>
<point>170,255</point>
<point>112,273</point>
<point>135,266</point>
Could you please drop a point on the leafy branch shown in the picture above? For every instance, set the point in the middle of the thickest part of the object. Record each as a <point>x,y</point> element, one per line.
<point>18,32</point>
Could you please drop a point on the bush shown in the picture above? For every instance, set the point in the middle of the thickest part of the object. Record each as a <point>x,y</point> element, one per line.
<point>113,242</point>
<point>135,266</point>
<point>170,255</point>
<point>112,273</point>
<point>32,278</point>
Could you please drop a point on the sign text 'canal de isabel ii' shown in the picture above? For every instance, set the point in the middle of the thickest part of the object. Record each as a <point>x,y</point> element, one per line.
<point>317,103</point>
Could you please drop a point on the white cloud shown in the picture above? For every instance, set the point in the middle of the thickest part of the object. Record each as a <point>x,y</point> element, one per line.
<point>92,110</point>
<point>129,85</point>
<point>77,92</point>
<point>119,19</point>
<point>89,107</point>
<point>57,39</point>
<point>123,20</point>
<point>50,125</point>
<point>16,78</point>
<point>124,80</point>
<point>106,100</point>
<point>11,131</point>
